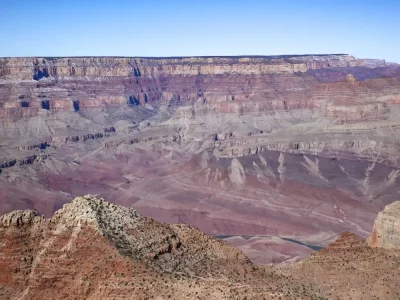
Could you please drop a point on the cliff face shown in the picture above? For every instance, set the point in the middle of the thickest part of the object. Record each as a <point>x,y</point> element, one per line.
<point>38,68</point>
<point>386,231</point>
<point>29,85</point>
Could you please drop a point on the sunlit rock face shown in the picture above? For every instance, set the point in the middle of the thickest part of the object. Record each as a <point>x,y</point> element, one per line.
<point>93,249</point>
<point>386,231</point>
<point>301,147</point>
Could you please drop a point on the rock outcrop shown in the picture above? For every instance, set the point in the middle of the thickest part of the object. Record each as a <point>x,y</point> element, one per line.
<point>350,269</point>
<point>93,249</point>
<point>354,268</point>
<point>18,218</point>
<point>386,231</point>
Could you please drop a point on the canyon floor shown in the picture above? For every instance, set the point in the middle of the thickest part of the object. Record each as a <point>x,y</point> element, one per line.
<point>278,155</point>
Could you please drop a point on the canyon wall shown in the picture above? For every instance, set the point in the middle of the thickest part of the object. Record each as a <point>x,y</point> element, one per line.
<point>301,147</point>
<point>37,68</point>
<point>28,85</point>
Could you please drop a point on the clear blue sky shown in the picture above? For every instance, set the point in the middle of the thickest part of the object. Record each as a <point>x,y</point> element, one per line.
<point>366,29</point>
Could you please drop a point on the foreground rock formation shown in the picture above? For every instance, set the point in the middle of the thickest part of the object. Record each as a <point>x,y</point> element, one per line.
<point>92,249</point>
<point>300,147</point>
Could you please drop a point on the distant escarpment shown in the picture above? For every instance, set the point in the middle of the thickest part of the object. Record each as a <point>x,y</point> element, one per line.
<point>38,68</point>
<point>257,84</point>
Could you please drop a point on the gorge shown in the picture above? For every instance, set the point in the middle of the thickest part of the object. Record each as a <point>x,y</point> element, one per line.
<point>300,147</point>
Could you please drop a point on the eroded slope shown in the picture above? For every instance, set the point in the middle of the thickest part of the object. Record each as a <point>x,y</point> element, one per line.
<point>96,250</point>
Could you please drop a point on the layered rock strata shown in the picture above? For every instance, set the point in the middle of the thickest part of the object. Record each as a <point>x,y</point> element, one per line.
<point>300,147</point>
<point>94,249</point>
<point>386,231</point>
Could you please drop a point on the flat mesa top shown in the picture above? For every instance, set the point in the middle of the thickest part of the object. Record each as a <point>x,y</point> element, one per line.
<point>186,57</point>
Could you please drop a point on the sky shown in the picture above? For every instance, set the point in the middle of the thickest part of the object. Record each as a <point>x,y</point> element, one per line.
<point>365,29</point>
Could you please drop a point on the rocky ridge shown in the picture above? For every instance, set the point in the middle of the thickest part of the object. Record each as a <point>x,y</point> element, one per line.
<point>91,248</point>
<point>145,239</point>
<point>353,268</point>
<point>94,249</point>
<point>350,269</point>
